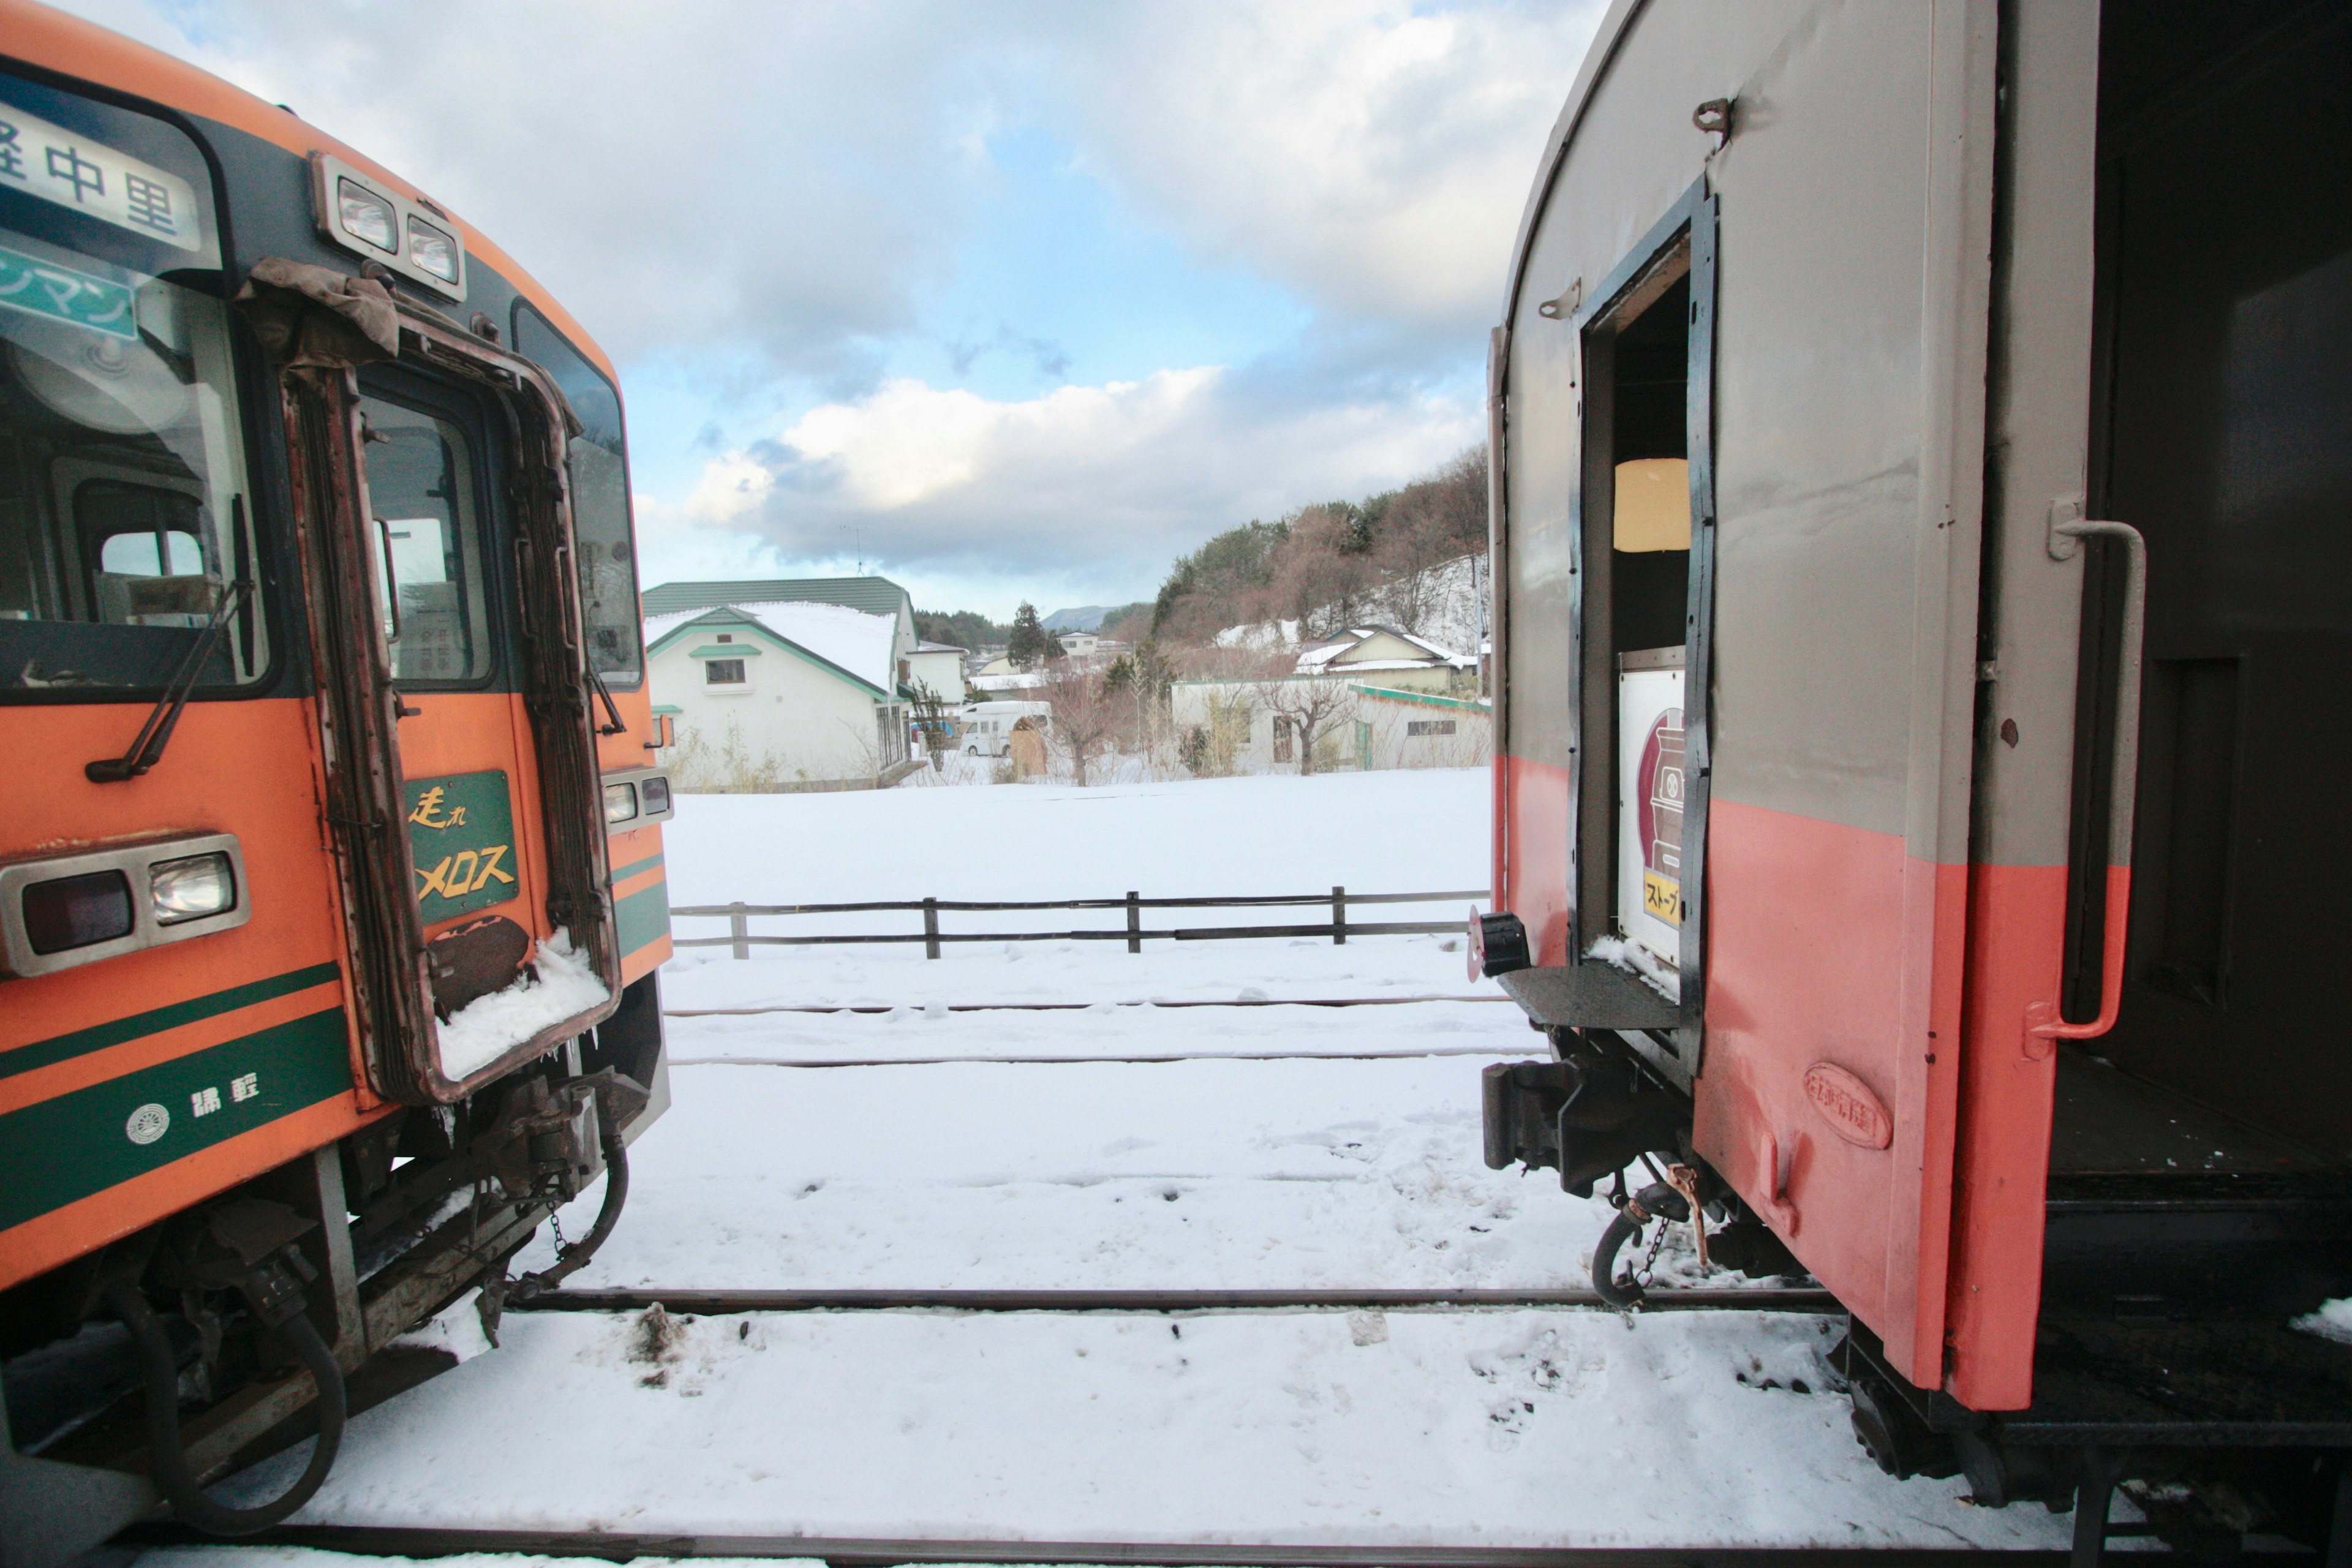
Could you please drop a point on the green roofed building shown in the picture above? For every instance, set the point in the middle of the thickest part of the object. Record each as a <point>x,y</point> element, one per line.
<point>793,683</point>
<point>870,595</point>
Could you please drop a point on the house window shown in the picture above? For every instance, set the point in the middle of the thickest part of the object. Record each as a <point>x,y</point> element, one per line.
<point>723,672</point>
<point>1429,727</point>
<point>1282,747</point>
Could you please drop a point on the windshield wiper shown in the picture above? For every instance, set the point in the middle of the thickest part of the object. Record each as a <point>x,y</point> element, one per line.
<point>612,709</point>
<point>147,746</point>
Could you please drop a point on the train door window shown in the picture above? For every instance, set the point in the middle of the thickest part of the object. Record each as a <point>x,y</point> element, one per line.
<point>123,517</point>
<point>422,489</point>
<point>598,459</point>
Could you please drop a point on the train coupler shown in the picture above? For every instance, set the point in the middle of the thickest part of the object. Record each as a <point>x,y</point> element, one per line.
<point>1587,1118</point>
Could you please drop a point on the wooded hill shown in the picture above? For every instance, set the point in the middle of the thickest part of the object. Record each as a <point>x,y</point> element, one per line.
<point>1325,566</point>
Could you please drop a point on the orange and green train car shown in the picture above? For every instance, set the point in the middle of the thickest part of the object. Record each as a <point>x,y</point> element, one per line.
<point>332,889</point>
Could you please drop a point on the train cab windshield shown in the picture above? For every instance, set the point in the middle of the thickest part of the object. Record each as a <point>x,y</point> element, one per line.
<point>124,519</point>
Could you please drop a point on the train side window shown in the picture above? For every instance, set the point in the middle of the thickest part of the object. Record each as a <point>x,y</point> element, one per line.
<point>598,459</point>
<point>428,533</point>
<point>145,559</point>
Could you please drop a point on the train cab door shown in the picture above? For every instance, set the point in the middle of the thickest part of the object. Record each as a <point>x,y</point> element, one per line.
<point>468,770</point>
<point>459,713</point>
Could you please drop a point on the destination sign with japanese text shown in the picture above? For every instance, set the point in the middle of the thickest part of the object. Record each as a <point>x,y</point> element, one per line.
<point>74,171</point>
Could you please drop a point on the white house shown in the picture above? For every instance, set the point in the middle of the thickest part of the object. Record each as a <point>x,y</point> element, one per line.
<point>940,667</point>
<point>1257,726</point>
<point>1390,659</point>
<point>765,692</point>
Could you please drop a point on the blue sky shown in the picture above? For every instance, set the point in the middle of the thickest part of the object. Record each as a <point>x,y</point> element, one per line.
<point>1018,299</point>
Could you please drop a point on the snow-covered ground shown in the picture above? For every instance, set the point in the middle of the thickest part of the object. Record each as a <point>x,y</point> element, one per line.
<point>968,1161</point>
<point>1400,832</point>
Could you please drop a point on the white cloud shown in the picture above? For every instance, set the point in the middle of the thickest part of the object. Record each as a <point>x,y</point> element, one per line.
<point>789,178</point>
<point>1373,155</point>
<point>1091,488</point>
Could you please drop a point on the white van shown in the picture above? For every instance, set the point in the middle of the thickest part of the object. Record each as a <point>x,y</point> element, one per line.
<point>985,729</point>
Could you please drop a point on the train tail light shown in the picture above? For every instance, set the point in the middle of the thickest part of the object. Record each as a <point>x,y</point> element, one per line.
<point>78,912</point>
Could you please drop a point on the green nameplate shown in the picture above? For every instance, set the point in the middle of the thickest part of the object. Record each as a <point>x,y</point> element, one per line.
<point>461,836</point>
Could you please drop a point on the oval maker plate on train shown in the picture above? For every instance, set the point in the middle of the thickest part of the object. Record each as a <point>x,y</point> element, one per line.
<point>1846,1102</point>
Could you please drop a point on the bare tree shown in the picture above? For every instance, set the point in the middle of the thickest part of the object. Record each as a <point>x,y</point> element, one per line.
<point>1312,707</point>
<point>1085,716</point>
<point>1321,573</point>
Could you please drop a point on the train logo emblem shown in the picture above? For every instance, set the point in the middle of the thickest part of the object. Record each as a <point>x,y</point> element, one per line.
<point>1659,786</point>
<point>147,1123</point>
<point>1846,1102</point>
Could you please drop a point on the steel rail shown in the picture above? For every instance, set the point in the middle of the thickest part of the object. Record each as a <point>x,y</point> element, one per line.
<point>862,1551</point>
<point>1162,1059</point>
<point>1065,1007</point>
<point>1763,1298</point>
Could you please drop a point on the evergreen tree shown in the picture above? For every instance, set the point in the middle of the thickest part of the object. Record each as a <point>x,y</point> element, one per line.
<point>1031,643</point>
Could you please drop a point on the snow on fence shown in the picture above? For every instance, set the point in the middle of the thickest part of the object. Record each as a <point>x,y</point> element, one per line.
<point>1339,929</point>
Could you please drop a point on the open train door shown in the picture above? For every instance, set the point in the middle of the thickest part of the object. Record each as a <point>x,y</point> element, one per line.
<point>1741,741</point>
<point>1902,385</point>
<point>457,708</point>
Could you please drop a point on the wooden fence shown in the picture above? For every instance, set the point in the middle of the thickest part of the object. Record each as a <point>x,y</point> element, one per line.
<point>1339,928</point>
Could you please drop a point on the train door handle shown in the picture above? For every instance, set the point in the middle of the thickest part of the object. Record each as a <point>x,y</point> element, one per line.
<point>2043,1025</point>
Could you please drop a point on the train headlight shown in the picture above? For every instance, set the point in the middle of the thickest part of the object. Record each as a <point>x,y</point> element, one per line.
<point>433,250</point>
<point>656,793</point>
<point>620,803</point>
<point>366,216</point>
<point>192,888</point>
<point>78,912</point>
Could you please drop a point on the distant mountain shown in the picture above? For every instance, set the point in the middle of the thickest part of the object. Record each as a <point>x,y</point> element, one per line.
<point>1085,618</point>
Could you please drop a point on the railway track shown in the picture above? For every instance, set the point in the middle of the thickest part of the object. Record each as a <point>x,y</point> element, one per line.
<point>714,1303</point>
<point>861,1551</point>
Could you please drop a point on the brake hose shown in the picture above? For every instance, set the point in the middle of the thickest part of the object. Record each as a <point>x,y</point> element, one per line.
<point>1657,1201</point>
<point>168,1461</point>
<point>571,1260</point>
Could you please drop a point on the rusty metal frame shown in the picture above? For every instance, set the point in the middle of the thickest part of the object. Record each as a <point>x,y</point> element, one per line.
<point>359,708</point>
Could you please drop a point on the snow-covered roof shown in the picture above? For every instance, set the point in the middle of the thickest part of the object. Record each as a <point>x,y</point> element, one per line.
<point>1334,650</point>
<point>852,640</point>
<point>861,644</point>
<point>660,627</point>
<point>940,648</point>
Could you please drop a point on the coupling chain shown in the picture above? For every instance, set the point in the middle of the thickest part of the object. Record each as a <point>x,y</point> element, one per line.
<point>1657,1245</point>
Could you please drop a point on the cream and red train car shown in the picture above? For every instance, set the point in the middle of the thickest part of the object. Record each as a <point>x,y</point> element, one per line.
<point>1922,556</point>
<point>330,886</point>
